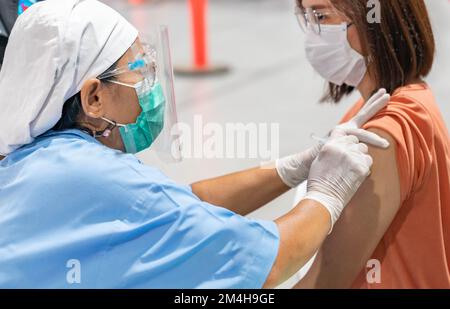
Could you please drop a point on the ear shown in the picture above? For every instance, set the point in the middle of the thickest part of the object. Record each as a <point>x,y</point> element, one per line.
<point>93,98</point>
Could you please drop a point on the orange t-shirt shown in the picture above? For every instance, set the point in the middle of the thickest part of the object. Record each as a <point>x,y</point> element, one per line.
<point>415,250</point>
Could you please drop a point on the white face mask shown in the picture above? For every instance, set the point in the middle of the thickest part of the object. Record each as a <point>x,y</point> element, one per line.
<point>332,57</point>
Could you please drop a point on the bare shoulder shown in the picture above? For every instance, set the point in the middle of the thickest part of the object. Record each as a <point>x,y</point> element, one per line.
<point>384,182</point>
<point>362,224</point>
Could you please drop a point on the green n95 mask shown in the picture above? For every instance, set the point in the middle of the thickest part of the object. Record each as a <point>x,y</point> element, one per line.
<point>140,135</point>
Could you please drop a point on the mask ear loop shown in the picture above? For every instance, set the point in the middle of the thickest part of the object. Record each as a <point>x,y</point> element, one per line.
<point>107,132</point>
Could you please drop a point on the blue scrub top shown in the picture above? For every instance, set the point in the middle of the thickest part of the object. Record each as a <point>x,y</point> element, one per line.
<point>76,214</point>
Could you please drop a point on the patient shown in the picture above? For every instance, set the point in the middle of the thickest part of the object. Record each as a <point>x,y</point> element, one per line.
<point>401,215</point>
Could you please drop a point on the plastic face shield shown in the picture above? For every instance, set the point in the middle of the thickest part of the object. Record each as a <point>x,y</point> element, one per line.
<point>150,62</point>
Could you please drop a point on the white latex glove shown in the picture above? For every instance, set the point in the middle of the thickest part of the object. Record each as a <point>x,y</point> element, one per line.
<point>294,169</point>
<point>353,127</point>
<point>339,170</point>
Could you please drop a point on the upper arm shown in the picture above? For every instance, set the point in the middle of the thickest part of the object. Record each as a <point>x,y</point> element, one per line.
<point>362,224</point>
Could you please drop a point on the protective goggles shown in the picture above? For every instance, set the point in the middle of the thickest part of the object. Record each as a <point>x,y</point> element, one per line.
<point>143,63</point>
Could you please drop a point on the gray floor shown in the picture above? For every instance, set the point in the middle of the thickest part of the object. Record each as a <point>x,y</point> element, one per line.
<point>270,81</point>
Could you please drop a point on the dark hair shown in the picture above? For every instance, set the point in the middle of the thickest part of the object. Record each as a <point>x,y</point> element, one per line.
<point>72,110</point>
<point>70,113</point>
<point>401,48</point>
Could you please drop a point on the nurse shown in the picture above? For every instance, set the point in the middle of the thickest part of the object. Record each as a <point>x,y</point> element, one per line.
<point>80,93</point>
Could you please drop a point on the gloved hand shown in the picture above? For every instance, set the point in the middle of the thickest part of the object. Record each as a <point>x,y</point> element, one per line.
<point>294,169</point>
<point>339,170</point>
<point>353,127</point>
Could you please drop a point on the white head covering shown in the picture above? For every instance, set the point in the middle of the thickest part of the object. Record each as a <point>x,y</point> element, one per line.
<point>54,47</point>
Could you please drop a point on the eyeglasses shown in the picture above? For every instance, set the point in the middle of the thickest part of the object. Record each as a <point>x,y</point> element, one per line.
<point>144,63</point>
<point>312,19</point>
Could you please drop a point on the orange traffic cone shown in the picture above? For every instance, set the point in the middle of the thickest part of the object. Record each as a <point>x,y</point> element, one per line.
<point>201,65</point>
<point>136,1</point>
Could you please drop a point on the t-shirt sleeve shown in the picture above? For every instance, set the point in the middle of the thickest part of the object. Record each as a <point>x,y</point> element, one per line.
<point>409,124</point>
<point>171,239</point>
